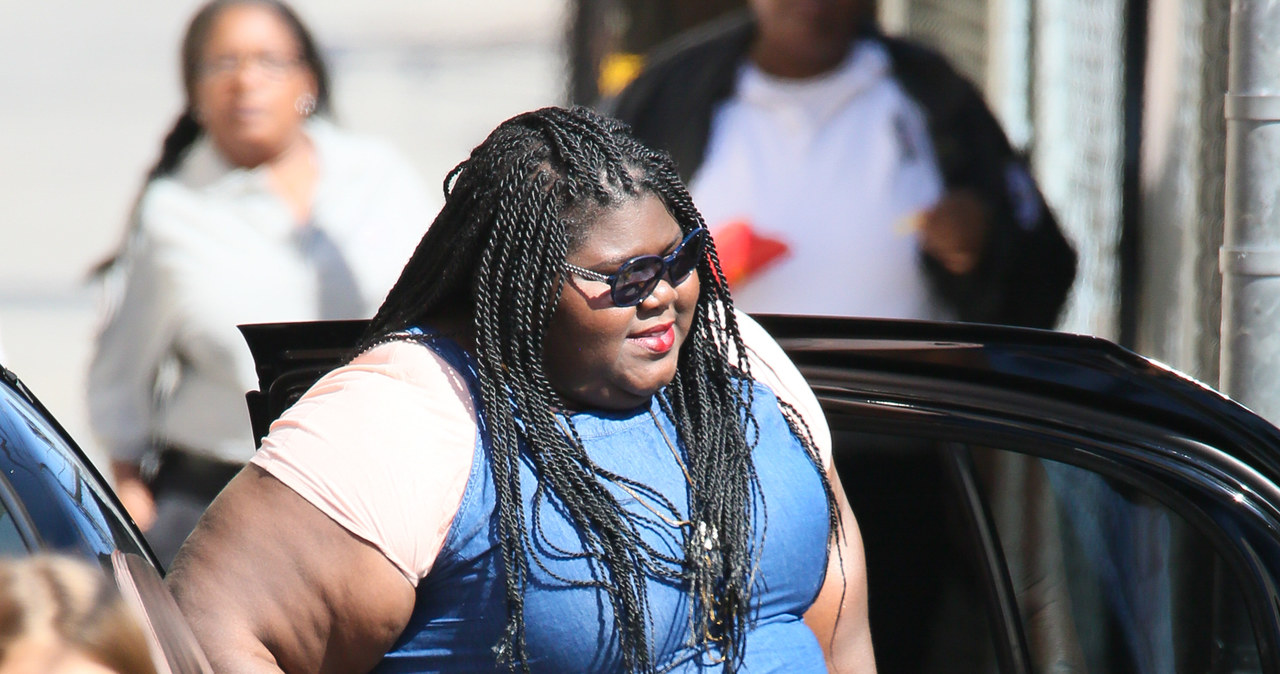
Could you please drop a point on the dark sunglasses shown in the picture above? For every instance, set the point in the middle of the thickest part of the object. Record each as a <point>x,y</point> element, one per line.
<point>637,278</point>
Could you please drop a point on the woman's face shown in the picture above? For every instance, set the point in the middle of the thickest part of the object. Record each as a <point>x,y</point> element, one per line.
<point>603,356</point>
<point>249,80</point>
<point>807,37</point>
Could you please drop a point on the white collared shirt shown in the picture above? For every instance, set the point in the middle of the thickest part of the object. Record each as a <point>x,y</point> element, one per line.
<point>216,248</point>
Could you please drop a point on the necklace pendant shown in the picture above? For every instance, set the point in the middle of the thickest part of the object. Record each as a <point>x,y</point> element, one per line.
<point>708,539</point>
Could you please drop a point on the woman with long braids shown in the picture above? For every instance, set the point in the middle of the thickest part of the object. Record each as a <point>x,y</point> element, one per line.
<point>559,449</point>
<point>258,209</point>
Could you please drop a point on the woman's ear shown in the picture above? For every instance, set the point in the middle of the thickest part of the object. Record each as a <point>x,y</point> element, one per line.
<point>305,104</point>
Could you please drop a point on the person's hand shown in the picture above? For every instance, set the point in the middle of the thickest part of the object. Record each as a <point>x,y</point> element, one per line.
<point>954,231</point>
<point>134,494</point>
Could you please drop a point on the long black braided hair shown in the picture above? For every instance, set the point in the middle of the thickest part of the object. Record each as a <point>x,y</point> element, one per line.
<point>494,259</point>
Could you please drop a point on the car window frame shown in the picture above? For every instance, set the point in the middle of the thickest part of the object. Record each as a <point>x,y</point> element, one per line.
<point>1131,451</point>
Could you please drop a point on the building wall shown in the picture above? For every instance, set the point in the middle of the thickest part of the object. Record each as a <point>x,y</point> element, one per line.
<point>1183,173</point>
<point>1077,111</point>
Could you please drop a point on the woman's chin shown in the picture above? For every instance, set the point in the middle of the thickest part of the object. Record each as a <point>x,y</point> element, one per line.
<point>616,398</point>
<point>663,373</point>
<point>248,148</point>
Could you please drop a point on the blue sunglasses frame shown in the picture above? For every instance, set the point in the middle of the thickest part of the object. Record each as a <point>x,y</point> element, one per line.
<point>626,290</point>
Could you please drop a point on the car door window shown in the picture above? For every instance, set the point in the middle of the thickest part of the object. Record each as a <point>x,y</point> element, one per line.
<point>17,535</point>
<point>921,578</point>
<point>1109,578</point>
<point>11,542</point>
<point>1106,576</point>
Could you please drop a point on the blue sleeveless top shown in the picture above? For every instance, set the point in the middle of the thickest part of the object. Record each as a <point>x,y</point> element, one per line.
<point>460,611</point>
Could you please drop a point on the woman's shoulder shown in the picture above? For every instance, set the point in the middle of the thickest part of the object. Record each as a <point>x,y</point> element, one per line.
<point>769,364</point>
<point>771,367</point>
<point>203,190</point>
<point>382,445</point>
<point>352,152</point>
<point>170,211</point>
<point>395,392</point>
<point>407,359</point>
<point>407,367</point>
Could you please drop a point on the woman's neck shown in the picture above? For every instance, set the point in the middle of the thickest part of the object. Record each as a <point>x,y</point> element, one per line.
<point>783,59</point>
<point>455,326</point>
<point>293,175</point>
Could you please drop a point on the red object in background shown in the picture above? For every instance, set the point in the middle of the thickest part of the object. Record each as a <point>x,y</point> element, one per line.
<point>743,252</point>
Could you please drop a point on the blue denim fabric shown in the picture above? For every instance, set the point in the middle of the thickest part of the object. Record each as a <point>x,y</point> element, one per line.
<point>461,606</point>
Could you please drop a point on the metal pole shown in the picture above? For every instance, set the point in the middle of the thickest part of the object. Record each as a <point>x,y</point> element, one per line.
<point>1250,255</point>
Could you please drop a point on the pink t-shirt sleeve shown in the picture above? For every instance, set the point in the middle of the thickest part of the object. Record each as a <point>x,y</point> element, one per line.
<point>383,446</point>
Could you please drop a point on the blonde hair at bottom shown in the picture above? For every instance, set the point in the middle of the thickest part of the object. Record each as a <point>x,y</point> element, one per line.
<point>61,613</point>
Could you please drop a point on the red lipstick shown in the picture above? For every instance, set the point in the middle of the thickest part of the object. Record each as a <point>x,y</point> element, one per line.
<point>658,339</point>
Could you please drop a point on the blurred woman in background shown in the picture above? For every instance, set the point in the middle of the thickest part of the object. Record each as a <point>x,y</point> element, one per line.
<point>258,210</point>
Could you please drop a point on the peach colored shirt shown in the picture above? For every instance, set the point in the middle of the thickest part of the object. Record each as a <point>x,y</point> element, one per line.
<point>384,444</point>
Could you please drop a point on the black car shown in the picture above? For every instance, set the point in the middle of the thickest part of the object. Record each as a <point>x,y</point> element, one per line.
<point>1034,501</point>
<point>1030,501</point>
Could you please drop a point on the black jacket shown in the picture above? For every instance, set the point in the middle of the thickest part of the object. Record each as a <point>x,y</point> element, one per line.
<point>1027,267</point>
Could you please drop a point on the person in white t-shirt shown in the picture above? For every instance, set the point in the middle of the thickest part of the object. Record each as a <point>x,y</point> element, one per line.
<point>846,172</point>
<point>828,156</point>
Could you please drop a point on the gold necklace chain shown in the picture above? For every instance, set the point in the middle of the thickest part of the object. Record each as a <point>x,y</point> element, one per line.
<point>677,523</point>
<point>671,446</point>
<point>705,537</point>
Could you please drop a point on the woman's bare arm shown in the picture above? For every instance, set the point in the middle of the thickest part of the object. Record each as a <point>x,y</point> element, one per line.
<point>839,615</point>
<point>270,583</point>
